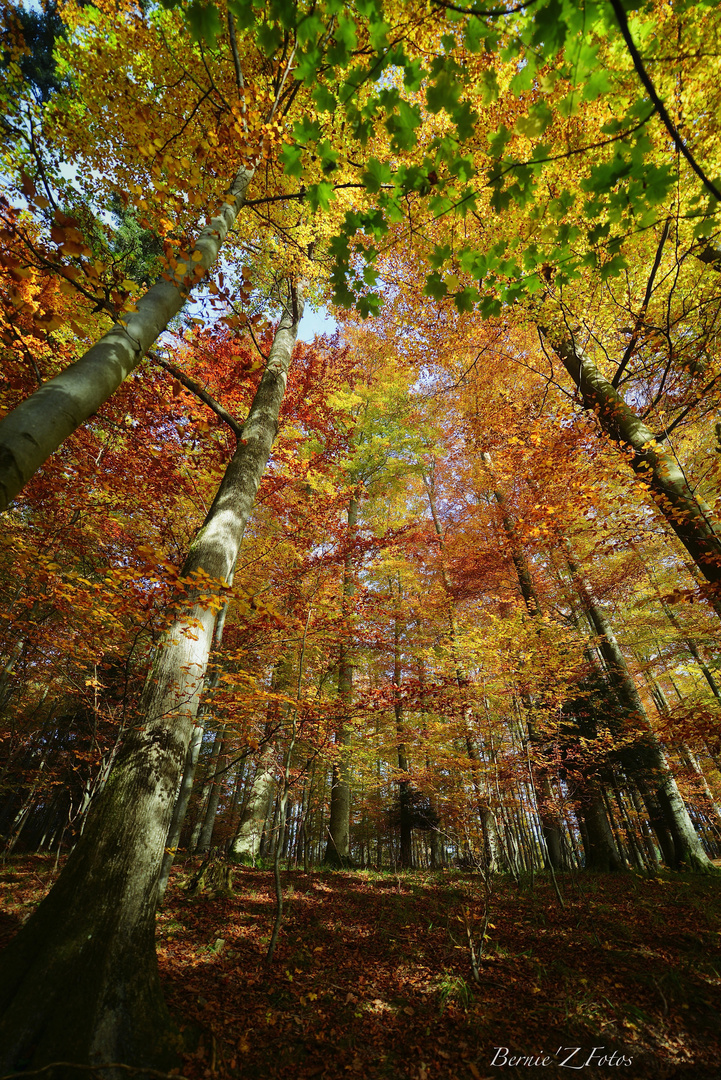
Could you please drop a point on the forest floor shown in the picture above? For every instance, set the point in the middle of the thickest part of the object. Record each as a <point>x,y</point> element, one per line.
<point>372,976</point>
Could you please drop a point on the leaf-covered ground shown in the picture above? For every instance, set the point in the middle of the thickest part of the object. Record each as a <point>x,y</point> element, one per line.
<point>372,976</point>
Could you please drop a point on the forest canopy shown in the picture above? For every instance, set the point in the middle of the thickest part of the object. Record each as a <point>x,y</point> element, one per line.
<point>437,589</point>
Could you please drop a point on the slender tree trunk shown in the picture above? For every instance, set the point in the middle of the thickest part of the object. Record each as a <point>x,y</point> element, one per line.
<point>687,514</point>
<point>216,790</point>
<point>80,982</point>
<point>688,848</point>
<point>337,850</point>
<point>404,785</point>
<point>202,807</point>
<point>180,808</point>
<point>38,426</point>
<point>492,841</point>
<point>246,842</point>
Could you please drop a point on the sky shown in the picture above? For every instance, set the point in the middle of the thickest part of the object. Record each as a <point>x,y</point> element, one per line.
<point>316,321</point>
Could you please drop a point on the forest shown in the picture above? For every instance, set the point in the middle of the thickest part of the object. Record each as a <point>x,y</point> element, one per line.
<point>360,467</point>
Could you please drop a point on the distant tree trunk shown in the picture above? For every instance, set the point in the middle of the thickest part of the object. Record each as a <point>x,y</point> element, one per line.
<point>687,514</point>
<point>216,790</point>
<point>180,808</point>
<point>79,981</point>
<point>404,784</point>
<point>246,842</point>
<point>492,841</point>
<point>550,819</point>
<point>337,851</point>
<point>687,846</point>
<point>602,852</point>
<point>202,807</point>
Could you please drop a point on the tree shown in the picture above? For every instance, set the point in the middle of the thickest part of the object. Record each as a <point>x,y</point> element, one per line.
<point>95,930</point>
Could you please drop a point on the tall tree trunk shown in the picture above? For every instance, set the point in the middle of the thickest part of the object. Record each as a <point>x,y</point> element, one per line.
<point>37,427</point>
<point>688,848</point>
<point>404,785</point>
<point>687,514</point>
<point>246,842</point>
<point>202,807</point>
<point>337,851</point>
<point>492,841</point>
<point>80,982</point>
<point>550,819</point>
<point>216,790</point>
<point>180,808</point>
<point>602,852</point>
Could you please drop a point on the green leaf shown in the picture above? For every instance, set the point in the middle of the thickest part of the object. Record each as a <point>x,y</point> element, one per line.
<point>413,74</point>
<point>613,267</point>
<point>269,38</point>
<point>369,305</point>
<point>440,255</point>
<point>323,98</point>
<point>376,175</point>
<point>319,196</point>
<point>476,32</point>
<point>491,89</point>
<point>242,11</point>
<point>465,120</point>
<point>535,123</point>
<point>443,94</point>
<point>497,142</point>
<point>435,286</point>
<point>307,130</point>
<point>291,157</point>
<point>467,299</point>
<point>309,29</point>
<point>204,22</point>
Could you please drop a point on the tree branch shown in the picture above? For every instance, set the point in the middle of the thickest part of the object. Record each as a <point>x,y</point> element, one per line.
<point>684,412</point>
<point>644,307</point>
<point>658,104</point>
<point>196,389</point>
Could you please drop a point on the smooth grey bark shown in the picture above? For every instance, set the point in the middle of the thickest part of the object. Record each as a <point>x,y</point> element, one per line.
<point>688,848</point>
<point>79,982</point>
<point>246,842</point>
<point>180,808</point>
<point>186,784</point>
<point>37,427</point>
<point>688,515</point>
<point>202,806</point>
<point>337,850</point>
<point>216,790</point>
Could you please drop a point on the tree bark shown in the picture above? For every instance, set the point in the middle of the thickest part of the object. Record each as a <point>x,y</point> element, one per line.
<point>180,808</point>
<point>79,981</point>
<point>688,848</point>
<point>216,790</point>
<point>37,427</point>
<point>246,842</point>
<point>688,515</point>
<point>337,851</point>
<point>404,785</point>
